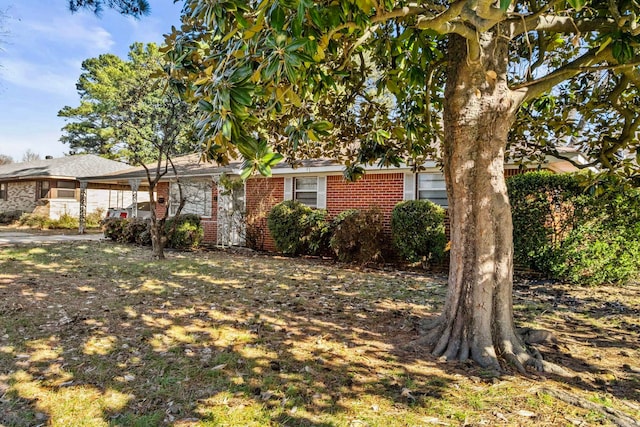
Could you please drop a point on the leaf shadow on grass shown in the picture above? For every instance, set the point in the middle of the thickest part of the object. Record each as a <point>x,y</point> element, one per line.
<point>149,343</point>
<point>216,338</point>
<point>598,320</point>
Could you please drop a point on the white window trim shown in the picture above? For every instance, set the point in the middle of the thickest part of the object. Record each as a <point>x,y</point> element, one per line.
<point>321,190</point>
<point>409,191</point>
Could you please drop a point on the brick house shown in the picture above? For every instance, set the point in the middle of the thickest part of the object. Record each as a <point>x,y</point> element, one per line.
<point>52,187</point>
<point>238,217</point>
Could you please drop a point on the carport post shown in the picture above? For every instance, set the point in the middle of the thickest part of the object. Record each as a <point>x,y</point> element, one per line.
<point>134,184</point>
<point>82,222</point>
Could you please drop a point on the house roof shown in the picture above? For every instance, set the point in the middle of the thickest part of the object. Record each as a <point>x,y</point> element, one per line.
<point>188,166</point>
<point>191,166</point>
<point>68,167</point>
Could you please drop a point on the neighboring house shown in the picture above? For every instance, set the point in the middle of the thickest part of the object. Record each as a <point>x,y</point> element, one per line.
<point>238,217</point>
<point>51,187</point>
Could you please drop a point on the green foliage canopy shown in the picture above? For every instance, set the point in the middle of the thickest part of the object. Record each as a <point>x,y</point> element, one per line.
<point>361,80</point>
<point>126,110</point>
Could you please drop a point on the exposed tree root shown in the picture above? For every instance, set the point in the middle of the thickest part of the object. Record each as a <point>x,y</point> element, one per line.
<point>617,417</point>
<point>511,348</point>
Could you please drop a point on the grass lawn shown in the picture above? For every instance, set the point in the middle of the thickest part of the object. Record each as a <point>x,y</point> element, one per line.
<point>96,334</point>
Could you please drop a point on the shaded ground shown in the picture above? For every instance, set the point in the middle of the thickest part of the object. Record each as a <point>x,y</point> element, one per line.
<point>93,333</point>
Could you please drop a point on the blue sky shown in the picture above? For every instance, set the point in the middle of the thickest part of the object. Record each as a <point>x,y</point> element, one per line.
<point>40,59</point>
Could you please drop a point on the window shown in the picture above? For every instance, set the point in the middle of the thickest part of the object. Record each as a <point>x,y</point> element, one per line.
<point>3,191</point>
<point>43,188</point>
<point>431,186</point>
<point>306,191</point>
<point>197,197</point>
<point>66,190</point>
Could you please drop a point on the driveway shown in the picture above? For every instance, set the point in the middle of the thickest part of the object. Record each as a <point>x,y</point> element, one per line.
<point>14,237</point>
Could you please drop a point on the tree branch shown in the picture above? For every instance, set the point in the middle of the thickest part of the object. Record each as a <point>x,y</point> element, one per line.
<point>557,24</point>
<point>447,22</point>
<point>529,90</point>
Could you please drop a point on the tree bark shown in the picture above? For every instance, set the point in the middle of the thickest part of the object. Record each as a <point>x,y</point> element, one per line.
<point>158,237</point>
<point>477,320</point>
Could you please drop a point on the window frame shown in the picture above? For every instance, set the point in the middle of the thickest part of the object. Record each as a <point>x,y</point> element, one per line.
<point>4,191</point>
<point>204,210</point>
<point>296,191</point>
<point>64,188</point>
<point>40,187</point>
<point>427,186</point>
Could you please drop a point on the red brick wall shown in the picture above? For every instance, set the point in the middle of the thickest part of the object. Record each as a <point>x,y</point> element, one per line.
<point>383,190</point>
<point>162,191</point>
<point>261,195</point>
<point>209,225</point>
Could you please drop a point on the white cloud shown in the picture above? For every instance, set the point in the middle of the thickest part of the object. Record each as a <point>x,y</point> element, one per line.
<point>45,78</point>
<point>73,32</point>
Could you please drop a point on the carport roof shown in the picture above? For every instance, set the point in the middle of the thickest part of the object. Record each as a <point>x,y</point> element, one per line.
<point>191,166</point>
<point>187,166</point>
<point>68,167</point>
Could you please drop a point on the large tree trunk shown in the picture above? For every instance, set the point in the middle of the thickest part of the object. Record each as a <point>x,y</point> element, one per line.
<point>477,320</point>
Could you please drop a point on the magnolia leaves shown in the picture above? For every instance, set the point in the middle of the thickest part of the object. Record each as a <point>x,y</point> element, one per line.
<point>258,157</point>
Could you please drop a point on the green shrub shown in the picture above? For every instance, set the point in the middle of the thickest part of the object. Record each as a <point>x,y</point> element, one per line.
<point>188,232</point>
<point>33,220</point>
<point>113,228</point>
<point>597,252</point>
<point>317,232</point>
<point>545,207</point>
<point>65,221</point>
<point>297,229</point>
<point>94,219</point>
<point>417,229</point>
<point>566,232</point>
<point>9,217</point>
<point>358,236</point>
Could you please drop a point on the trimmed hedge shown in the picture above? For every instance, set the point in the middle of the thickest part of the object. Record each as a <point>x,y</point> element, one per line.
<point>358,236</point>
<point>571,232</point>
<point>297,229</point>
<point>418,231</point>
<point>545,207</point>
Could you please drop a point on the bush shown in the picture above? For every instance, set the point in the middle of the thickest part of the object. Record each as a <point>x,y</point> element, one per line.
<point>65,221</point>
<point>113,228</point>
<point>358,236</point>
<point>597,252</point>
<point>566,232</point>
<point>33,220</point>
<point>188,232</point>
<point>297,229</point>
<point>136,230</point>
<point>545,207</point>
<point>417,229</point>
<point>94,219</point>
<point>9,217</point>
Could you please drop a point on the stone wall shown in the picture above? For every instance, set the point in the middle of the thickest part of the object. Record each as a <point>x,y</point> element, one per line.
<point>21,196</point>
